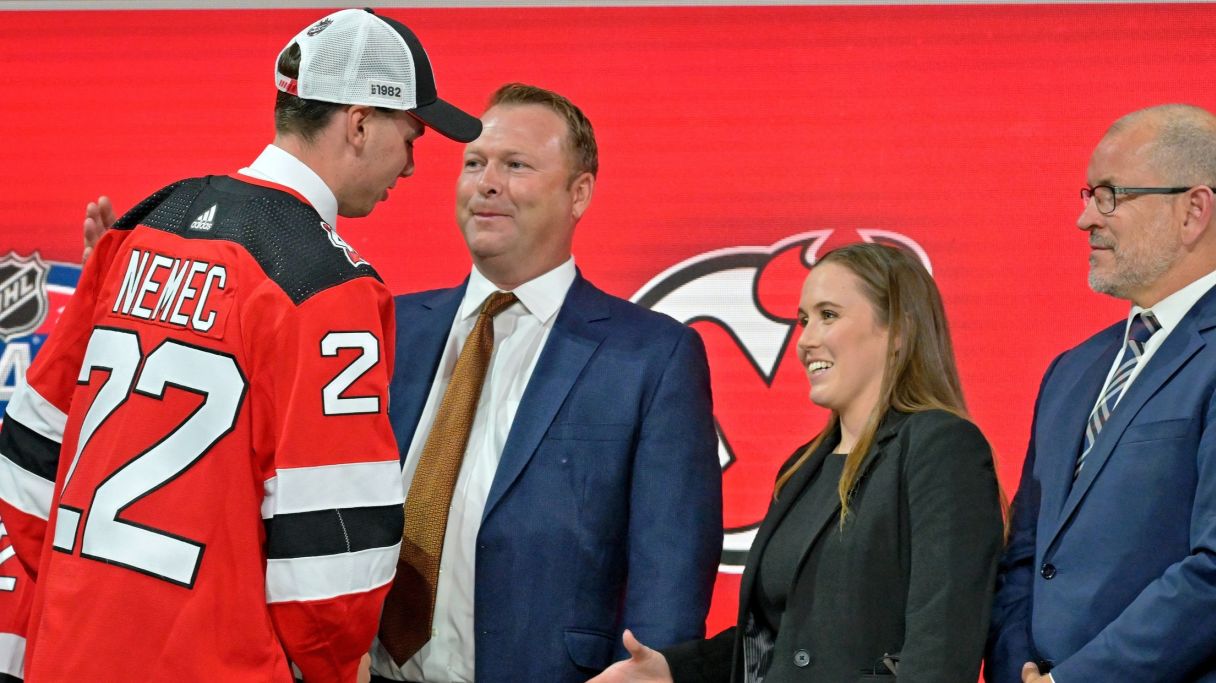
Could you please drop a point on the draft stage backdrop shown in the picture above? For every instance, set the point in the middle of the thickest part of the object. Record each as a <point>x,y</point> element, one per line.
<point>736,144</point>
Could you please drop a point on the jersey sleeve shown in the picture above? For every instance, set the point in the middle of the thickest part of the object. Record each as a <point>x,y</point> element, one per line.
<point>16,597</point>
<point>32,431</point>
<point>333,489</point>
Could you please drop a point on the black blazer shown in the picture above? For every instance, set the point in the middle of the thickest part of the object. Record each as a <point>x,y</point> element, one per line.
<point>914,574</point>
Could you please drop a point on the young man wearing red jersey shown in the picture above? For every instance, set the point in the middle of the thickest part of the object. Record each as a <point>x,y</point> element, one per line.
<point>199,473</point>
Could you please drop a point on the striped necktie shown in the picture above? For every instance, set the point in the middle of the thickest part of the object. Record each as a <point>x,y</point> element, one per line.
<point>1143,326</point>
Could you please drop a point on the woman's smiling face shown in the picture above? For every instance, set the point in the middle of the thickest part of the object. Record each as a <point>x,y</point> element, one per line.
<point>843,347</point>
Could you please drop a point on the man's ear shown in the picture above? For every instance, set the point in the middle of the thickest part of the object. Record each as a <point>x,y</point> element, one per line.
<point>1198,217</point>
<point>357,116</point>
<point>581,189</point>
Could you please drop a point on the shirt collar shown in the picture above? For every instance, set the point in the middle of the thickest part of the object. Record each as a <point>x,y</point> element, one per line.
<point>541,296</point>
<point>282,167</point>
<point>1172,309</point>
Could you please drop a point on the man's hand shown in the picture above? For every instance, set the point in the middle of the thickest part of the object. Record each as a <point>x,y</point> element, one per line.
<point>1030,674</point>
<point>365,664</point>
<point>98,217</point>
<point>643,666</point>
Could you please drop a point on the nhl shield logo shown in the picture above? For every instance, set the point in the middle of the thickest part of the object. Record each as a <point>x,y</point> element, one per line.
<point>55,288</point>
<point>23,298</point>
<point>743,302</point>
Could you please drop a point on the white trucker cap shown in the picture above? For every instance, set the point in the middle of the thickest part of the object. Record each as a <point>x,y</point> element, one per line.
<point>355,56</point>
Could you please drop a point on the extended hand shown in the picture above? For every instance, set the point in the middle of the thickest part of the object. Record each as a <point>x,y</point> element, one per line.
<point>643,666</point>
<point>365,670</point>
<point>1030,674</point>
<point>98,217</point>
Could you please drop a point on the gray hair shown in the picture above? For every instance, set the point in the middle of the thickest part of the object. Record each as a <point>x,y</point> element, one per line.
<point>1184,148</point>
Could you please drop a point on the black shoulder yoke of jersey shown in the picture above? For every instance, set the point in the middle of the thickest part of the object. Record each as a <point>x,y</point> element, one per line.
<point>286,236</point>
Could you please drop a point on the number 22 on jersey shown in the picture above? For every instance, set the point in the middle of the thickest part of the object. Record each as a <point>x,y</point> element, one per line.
<point>217,379</point>
<point>106,536</point>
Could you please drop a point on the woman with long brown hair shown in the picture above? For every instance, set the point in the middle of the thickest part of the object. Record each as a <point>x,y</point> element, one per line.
<point>878,553</point>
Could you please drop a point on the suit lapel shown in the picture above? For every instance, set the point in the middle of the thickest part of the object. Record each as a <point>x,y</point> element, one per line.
<point>424,322</point>
<point>1073,408</point>
<point>582,323</point>
<point>1183,343</point>
<point>790,493</point>
<point>825,510</point>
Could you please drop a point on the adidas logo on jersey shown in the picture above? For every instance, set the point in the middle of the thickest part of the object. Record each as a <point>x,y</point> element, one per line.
<point>205,219</point>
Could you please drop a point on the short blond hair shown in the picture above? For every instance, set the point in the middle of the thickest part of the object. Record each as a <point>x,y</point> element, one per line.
<point>580,136</point>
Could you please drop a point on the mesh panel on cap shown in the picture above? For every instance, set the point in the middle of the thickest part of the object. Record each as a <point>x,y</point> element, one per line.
<point>380,56</point>
<point>323,71</point>
<point>359,60</point>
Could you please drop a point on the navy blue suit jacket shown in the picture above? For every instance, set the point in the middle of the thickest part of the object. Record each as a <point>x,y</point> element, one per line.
<point>606,508</point>
<point>1113,577</point>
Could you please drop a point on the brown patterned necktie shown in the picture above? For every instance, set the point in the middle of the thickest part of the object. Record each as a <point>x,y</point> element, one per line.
<point>405,625</point>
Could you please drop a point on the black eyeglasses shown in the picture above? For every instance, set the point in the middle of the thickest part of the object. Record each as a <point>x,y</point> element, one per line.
<point>1104,195</point>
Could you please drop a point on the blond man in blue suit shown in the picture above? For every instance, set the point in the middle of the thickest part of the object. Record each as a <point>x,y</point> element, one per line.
<point>589,497</point>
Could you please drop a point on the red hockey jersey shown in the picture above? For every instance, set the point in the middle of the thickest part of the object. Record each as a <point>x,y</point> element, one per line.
<point>16,593</point>
<point>200,472</point>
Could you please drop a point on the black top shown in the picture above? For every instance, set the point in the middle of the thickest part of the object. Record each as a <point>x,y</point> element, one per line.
<point>912,573</point>
<point>779,565</point>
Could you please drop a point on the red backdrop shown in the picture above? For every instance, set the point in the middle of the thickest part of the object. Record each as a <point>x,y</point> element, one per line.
<point>962,129</point>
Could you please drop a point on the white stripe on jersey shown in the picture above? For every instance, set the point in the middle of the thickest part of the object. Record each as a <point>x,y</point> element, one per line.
<point>333,487</point>
<point>12,655</point>
<point>32,411</point>
<point>328,576</point>
<point>25,490</point>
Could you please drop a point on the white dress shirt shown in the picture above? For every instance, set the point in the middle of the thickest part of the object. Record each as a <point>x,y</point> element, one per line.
<point>1169,312</point>
<point>519,335</point>
<point>277,165</point>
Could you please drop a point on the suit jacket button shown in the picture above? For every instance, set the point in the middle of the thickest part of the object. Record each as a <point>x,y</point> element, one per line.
<point>802,658</point>
<point>1047,571</point>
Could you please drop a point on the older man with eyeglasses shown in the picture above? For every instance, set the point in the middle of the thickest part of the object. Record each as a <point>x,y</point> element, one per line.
<point>1110,572</point>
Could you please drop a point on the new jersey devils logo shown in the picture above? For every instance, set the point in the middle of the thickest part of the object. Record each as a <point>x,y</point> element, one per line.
<point>743,301</point>
<point>336,240</point>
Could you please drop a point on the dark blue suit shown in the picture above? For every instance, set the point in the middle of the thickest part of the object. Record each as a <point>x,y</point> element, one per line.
<point>606,508</point>
<point>1113,578</point>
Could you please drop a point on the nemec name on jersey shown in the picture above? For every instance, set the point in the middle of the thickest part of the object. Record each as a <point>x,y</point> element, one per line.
<point>183,285</point>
